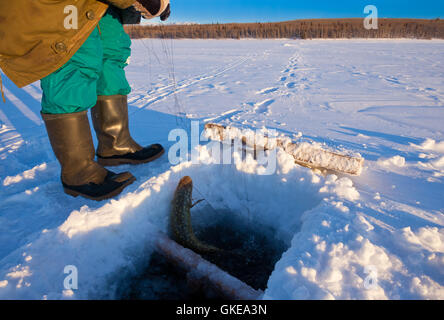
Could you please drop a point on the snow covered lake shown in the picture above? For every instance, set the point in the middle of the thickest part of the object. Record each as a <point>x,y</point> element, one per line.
<point>379,235</point>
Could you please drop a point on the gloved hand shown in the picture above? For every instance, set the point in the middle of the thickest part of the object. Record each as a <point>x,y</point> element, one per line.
<point>150,8</point>
<point>130,16</point>
<point>153,6</point>
<point>166,14</point>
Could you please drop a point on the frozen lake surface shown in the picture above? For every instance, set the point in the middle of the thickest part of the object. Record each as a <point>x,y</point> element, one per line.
<point>379,235</point>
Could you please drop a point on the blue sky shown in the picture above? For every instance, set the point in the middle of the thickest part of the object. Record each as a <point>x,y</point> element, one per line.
<point>207,11</point>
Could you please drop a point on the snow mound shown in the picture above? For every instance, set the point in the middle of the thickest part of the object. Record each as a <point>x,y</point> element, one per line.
<point>26,175</point>
<point>433,160</point>
<point>396,161</point>
<point>431,145</point>
<point>339,261</point>
<point>342,187</point>
<point>430,239</point>
<point>439,163</point>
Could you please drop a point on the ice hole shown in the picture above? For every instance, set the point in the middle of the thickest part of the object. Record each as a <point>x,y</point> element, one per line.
<point>256,247</point>
<point>252,214</point>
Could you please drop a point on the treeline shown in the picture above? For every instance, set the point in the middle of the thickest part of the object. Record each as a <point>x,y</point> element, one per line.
<point>297,29</point>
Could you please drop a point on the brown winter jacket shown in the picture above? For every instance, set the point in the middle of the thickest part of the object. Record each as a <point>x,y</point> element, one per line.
<point>33,39</point>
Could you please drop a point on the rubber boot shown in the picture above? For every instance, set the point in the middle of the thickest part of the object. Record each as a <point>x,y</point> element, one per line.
<point>71,141</point>
<point>116,146</point>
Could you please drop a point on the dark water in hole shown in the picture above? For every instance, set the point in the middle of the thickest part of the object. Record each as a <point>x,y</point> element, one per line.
<point>255,248</point>
<point>161,280</point>
<point>256,251</point>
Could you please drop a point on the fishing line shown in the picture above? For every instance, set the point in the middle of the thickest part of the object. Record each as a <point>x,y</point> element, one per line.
<point>249,216</point>
<point>167,44</point>
<point>169,54</point>
<point>149,63</point>
<point>152,51</point>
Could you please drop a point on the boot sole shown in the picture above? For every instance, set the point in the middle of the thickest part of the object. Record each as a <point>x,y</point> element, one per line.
<point>112,194</point>
<point>118,162</point>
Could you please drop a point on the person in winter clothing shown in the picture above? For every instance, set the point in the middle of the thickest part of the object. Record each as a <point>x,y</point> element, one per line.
<point>79,49</point>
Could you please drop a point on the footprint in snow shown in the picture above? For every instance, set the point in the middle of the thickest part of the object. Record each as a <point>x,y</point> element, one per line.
<point>267,90</point>
<point>264,106</point>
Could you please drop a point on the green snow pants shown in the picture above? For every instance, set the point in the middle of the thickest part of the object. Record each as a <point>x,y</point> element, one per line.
<point>96,69</point>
